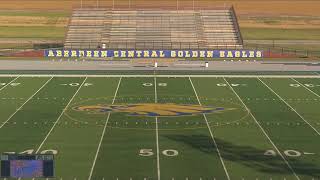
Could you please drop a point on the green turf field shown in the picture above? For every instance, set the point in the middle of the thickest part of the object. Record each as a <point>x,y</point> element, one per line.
<point>166,127</point>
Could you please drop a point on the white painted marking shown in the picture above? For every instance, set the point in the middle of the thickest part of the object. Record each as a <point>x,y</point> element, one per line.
<point>308,153</point>
<point>103,132</point>
<point>263,131</point>
<point>157,129</point>
<point>25,103</point>
<point>290,106</point>
<point>306,88</point>
<point>62,113</point>
<point>9,83</point>
<point>175,76</point>
<point>210,131</point>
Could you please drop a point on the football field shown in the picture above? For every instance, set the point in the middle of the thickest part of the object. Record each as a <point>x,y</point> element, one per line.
<point>166,127</point>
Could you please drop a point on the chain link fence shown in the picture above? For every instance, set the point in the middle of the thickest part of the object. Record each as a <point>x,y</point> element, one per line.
<point>276,50</point>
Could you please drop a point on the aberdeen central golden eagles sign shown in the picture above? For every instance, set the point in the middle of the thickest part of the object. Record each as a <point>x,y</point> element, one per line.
<point>155,53</point>
<point>151,109</point>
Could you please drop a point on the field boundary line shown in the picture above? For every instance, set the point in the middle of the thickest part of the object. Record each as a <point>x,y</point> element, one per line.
<point>25,102</point>
<point>210,131</point>
<point>263,131</point>
<point>163,75</point>
<point>306,87</point>
<point>103,132</point>
<point>157,129</point>
<point>62,113</point>
<point>9,83</point>
<point>290,106</point>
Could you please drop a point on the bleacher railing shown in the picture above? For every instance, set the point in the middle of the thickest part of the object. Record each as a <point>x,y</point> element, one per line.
<point>154,45</point>
<point>236,25</point>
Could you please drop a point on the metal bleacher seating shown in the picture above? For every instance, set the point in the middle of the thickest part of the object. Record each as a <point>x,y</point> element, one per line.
<point>153,29</point>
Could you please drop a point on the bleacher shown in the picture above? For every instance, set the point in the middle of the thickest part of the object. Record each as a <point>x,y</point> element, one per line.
<point>153,29</point>
<point>85,28</point>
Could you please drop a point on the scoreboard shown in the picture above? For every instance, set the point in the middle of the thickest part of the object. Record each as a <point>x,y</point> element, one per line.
<point>27,166</point>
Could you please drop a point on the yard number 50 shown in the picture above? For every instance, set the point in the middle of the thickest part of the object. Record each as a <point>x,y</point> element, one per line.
<point>149,152</point>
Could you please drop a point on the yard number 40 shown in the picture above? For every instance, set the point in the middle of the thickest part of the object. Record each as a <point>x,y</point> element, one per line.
<point>151,84</point>
<point>32,151</point>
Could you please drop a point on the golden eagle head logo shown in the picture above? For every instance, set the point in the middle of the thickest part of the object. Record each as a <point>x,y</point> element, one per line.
<point>151,109</point>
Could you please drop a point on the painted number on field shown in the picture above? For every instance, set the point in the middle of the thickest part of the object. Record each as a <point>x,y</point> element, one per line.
<point>231,84</point>
<point>32,151</point>
<point>149,152</point>
<point>307,85</point>
<point>11,84</point>
<point>289,153</point>
<point>151,84</point>
<point>77,84</point>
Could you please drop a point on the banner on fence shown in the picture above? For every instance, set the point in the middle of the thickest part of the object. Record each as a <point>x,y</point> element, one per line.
<point>155,53</point>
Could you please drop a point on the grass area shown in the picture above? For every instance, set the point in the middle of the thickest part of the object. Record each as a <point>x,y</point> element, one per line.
<point>279,22</point>
<point>301,51</point>
<point>16,46</point>
<point>300,47</point>
<point>56,33</point>
<point>47,23</point>
<point>280,34</point>
<point>165,127</point>
<point>158,72</point>
<point>274,7</point>
<point>48,14</point>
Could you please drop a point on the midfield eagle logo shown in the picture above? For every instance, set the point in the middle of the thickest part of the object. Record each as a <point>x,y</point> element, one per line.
<point>155,109</point>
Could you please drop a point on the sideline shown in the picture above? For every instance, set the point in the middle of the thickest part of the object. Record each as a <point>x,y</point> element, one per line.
<point>137,75</point>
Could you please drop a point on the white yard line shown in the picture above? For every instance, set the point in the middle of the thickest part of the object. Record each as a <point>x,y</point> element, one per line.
<point>103,132</point>
<point>62,113</point>
<point>189,64</point>
<point>263,131</point>
<point>150,75</point>
<point>290,106</point>
<point>157,128</point>
<point>306,87</point>
<point>25,102</point>
<point>211,134</point>
<point>9,83</point>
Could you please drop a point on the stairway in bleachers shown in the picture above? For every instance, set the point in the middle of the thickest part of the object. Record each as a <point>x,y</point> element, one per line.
<point>153,29</point>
